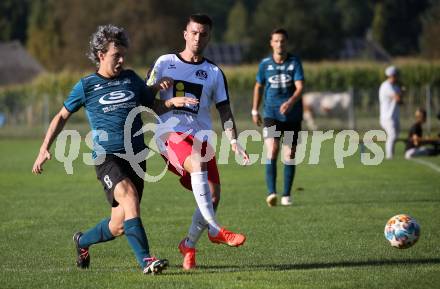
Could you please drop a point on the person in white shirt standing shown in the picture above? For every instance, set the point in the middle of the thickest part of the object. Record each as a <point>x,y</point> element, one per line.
<point>390,98</point>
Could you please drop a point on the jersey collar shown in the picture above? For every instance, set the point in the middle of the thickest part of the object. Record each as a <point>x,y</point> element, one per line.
<point>188,62</point>
<point>287,58</point>
<point>109,78</point>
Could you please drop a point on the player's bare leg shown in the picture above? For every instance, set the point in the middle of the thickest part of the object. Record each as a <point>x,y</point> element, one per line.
<point>126,195</point>
<point>116,224</point>
<point>272,148</point>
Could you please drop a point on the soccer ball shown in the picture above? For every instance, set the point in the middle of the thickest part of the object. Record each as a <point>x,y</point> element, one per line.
<point>402,231</point>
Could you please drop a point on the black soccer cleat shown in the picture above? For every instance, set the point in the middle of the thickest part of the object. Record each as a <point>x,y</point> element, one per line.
<point>83,257</point>
<point>155,266</point>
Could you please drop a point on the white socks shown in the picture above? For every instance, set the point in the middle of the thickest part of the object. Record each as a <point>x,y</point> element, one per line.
<point>202,194</point>
<point>196,229</point>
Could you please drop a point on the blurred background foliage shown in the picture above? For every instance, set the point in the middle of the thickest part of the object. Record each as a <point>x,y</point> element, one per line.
<point>57,32</point>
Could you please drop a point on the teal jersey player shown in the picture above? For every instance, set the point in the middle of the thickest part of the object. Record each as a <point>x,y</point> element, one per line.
<point>279,85</point>
<point>107,102</point>
<point>109,96</point>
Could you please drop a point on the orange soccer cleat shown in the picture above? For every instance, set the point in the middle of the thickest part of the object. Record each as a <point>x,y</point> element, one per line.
<point>189,256</point>
<point>228,238</point>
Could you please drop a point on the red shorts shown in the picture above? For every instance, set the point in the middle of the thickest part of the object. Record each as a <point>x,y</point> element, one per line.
<point>178,150</point>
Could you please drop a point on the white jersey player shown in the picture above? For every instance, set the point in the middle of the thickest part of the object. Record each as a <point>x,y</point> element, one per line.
<point>201,80</point>
<point>191,75</point>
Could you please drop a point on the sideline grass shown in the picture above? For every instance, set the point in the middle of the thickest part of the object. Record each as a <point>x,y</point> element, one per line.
<point>331,238</point>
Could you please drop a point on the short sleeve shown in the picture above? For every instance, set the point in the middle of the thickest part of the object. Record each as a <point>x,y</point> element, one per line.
<point>298,71</point>
<point>221,94</point>
<point>154,73</point>
<point>76,98</point>
<point>260,74</point>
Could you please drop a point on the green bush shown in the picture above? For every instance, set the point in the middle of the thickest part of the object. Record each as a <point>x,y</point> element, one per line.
<point>48,91</point>
<point>339,76</point>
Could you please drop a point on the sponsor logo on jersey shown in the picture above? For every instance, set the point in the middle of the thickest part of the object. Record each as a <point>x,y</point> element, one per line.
<point>187,89</point>
<point>172,66</point>
<point>98,87</point>
<point>201,74</point>
<point>270,67</point>
<point>114,83</point>
<point>291,67</point>
<point>280,80</point>
<point>116,97</point>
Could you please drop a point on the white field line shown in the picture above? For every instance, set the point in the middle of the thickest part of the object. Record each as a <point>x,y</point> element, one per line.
<point>426,163</point>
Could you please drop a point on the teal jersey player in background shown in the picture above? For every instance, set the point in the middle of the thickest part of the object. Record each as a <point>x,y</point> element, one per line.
<point>280,79</point>
<point>108,96</point>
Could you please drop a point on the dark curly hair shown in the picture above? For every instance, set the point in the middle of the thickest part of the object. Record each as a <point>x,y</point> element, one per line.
<point>100,40</point>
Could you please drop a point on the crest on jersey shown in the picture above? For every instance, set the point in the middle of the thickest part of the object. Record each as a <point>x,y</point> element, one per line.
<point>201,74</point>
<point>280,80</point>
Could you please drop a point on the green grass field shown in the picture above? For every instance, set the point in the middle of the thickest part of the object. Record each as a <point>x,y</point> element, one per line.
<point>331,238</point>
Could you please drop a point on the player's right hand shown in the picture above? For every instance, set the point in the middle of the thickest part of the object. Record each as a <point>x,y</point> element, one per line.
<point>42,157</point>
<point>181,101</point>
<point>257,119</point>
<point>236,147</point>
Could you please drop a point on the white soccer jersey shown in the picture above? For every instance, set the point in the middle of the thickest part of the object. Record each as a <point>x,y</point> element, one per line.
<point>389,109</point>
<point>201,80</point>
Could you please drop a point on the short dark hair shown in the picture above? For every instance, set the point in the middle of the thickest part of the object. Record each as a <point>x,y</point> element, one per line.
<point>100,40</point>
<point>201,19</point>
<point>279,31</point>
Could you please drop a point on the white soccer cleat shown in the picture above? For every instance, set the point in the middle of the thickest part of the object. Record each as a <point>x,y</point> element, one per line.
<point>286,201</point>
<point>155,266</point>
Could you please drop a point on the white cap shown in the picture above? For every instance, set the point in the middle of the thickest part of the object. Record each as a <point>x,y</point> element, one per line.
<point>391,71</point>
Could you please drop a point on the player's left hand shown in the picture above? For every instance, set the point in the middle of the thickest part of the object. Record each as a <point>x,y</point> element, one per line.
<point>236,148</point>
<point>285,107</point>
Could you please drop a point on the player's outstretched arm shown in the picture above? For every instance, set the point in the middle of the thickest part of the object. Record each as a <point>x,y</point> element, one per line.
<point>230,129</point>
<point>163,106</point>
<point>256,100</point>
<point>55,127</point>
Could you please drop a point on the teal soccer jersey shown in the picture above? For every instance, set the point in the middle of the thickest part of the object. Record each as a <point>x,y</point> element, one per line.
<point>107,103</point>
<point>279,81</point>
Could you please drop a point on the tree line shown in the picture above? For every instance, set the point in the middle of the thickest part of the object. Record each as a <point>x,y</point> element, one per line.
<point>57,32</point>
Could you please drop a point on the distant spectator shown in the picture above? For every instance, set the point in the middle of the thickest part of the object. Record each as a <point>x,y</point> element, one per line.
<point>390,97</point>
<point>415,143</point>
